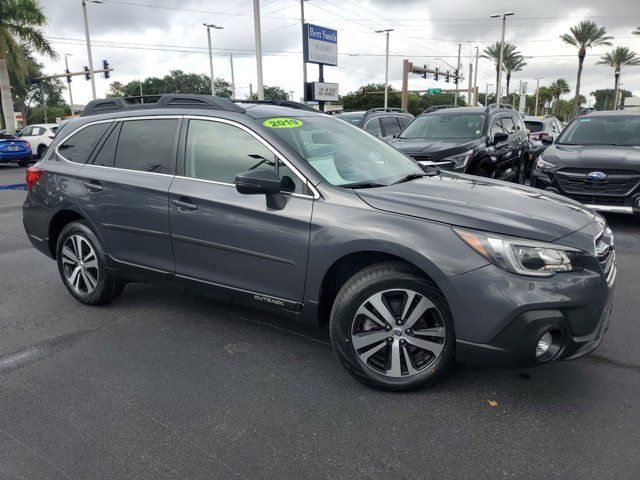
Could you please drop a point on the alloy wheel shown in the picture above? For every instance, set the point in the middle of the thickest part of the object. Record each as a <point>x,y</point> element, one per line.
<point>80,264</point>
<point>398,333</point>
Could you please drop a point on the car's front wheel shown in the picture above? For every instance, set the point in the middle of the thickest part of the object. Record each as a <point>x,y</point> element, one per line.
<point>81,264</point>
<point>521,171</point>
<point>391,328</point>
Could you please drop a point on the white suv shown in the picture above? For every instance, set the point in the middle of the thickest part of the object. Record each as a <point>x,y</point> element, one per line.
<point>39,137</point>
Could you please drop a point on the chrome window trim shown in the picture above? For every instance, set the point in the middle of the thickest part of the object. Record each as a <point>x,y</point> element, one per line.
<point>288,163</point>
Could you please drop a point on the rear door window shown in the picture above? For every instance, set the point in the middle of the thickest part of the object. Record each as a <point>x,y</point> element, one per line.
<point>107,153</point>
<point>373,127</point>
<point>79,146</point>
<point>390,125</point>
<point>146,145</point>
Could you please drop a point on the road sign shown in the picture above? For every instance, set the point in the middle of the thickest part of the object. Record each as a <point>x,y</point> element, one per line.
<point>434,90</point>
<point>324,92</point>
<point>320,45</point>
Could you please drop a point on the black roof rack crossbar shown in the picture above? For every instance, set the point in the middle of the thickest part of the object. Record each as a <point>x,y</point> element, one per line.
<point>167,100</point>
<point>382,109</point>
<point>279,103</point>
<point>499,105</point>
<point>435,108</point>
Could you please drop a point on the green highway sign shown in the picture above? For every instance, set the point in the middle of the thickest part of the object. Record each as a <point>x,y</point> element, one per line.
<point>434,90</point>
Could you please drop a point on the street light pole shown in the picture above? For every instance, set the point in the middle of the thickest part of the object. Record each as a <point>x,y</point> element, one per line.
<point>233,78</point>
<point>537,90</point>
<point>475,81</point>
<point>209,27</point>
<point>504,23</point>
<point>455,95</point>
<point>304,64</point>
<point>386,67</point>
<point>66,65</point>
<point>486,95</point>
<point>88,40</point>
<point>258,40</point>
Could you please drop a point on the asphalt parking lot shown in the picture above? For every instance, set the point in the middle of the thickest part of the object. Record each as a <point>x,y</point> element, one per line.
<point>165,384</point>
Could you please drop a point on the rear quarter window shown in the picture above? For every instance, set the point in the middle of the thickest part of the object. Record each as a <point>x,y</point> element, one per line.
<point>78,147</point>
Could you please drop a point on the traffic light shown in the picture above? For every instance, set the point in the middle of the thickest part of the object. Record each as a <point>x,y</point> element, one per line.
<point>68,76</point>
<point>455,80</point>
<point>424,74</point>
<point>105,66</point>
<point>446,79</point>
<point>435,76</point>
<point>87,73</point>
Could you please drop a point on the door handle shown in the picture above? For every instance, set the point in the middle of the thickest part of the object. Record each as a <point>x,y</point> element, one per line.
<point>93,186</point>
<point>184,205</point>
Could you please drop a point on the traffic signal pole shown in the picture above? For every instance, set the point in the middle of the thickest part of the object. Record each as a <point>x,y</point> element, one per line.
<point>66,65</point>
<point>89,56</point>
<point>408,67</point>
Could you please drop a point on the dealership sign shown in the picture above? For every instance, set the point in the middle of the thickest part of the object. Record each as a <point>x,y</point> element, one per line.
<point>320,45</point>
<point>325,92</point>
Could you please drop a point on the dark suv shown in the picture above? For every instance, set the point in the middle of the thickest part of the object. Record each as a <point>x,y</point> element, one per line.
<point>302,214</point>
<point>488,142</point>
<point>595,160</point>
<point>379,122</point>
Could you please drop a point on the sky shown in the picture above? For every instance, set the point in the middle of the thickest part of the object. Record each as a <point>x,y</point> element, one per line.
<point>142,38</point>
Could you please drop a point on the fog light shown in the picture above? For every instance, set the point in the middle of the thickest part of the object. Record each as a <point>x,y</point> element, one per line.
<point>544,344</point>
<point>638,202</point>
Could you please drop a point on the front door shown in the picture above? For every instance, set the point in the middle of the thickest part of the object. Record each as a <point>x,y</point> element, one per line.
<point>224,238</point>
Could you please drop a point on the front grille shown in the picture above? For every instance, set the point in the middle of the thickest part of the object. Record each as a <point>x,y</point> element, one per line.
<point>616,183</point>
<point>605,253</point>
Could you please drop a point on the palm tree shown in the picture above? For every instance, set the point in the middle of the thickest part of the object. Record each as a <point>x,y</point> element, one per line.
<point>512,63</point>
<point>492,52</point>
<point>617,58</point>
<point>585,34</point>
<point>19,20</point>
<point>558,88</point>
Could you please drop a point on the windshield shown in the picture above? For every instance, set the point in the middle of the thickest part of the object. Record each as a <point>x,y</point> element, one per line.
<point>352,118</point>
<point>534,126</point>
<point>443,126</point>
<point>344,155</point>
<point>623,130</point>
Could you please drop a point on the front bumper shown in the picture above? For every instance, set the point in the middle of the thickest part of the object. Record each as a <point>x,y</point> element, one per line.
<point>499,317</point>
<point>601,202</point>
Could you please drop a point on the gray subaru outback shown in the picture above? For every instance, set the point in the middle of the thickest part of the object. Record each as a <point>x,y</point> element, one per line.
<point>300,213</point>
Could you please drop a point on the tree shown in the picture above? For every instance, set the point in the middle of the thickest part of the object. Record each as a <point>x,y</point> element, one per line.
<point>271,93</point>
<point>492,52</point>
<point>558,88</point>
<point>636,31</point>
<point>116,89</point>
<point>19,22</point>
<point>617,58</point>
<point>176,82</point>
<point>585,34</point>
<point>604,97</point>
<point>513,63</point>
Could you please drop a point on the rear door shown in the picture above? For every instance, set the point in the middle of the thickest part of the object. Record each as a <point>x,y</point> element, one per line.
<point>124,190</point>
<point>501,149</point>
<point>512,148</point>
<point>224,238</point>
<point>390,125</point>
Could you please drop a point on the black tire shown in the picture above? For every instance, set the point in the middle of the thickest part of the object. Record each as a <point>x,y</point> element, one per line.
<point>24,162</point>
<point>355,292</point>
<point>41,150</point>
<point>521,172</point>
<point>106,288</point>
<point>482,171</point>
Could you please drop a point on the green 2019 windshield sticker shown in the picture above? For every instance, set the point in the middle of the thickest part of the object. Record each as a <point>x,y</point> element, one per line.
<point>282,123</point>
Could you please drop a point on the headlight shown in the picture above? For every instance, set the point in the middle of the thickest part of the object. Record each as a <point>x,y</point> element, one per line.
<point>521,256</point>
<point>460,160</point>
<point>543,166</point>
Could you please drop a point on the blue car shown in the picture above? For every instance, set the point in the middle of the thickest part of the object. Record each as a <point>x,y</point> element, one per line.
<point>14,150</point>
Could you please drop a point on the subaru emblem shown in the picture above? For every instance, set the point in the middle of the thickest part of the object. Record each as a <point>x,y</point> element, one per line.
<point>398,332</point>
<point>596,176</point>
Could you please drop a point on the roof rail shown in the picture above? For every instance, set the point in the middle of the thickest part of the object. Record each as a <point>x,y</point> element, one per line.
<point>382,109</point>
<point>280,103</point>
<point>167,100</point>
<point>499,105</point>
<point>434,108</point>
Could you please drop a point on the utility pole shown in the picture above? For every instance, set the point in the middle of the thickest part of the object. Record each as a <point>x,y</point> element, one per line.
<point>386,67</point>
<point>88,40</point>
<point>304,64</point>
<point>43,98</point>
<point>486,95</point>
<point>258,40</point>
<point>475,81</point>
<point>66,65</point>
<point>469,101</point>
<point>209,27</point>
<point>455,95</point>
<point>233,78</point>
<point>537,90</point>
<point>504,23</point>
<point>250,90</point>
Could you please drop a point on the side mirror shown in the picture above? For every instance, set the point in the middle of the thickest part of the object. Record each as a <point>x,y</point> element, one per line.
<point>259,181</point>
<point>548,140</point>
<point>500,137</point>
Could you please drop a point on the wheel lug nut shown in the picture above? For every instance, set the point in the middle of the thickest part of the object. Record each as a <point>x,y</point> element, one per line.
<point>388,327</point>
<point>403,341</point>
<point>390,339</point>
<point>408,331</point>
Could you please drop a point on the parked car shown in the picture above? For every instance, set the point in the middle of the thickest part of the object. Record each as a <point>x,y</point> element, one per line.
<point>14,150</point>
<point>379,122</point>
<point>488,142</point>
<point>39,136</point>
<point>596,161</point>
<point>540,128</point>
<point>304,215</point>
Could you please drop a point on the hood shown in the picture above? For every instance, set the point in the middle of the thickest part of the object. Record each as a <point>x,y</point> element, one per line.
<point>597,157</point>
<point>482,204</point>
<point>437,148</point>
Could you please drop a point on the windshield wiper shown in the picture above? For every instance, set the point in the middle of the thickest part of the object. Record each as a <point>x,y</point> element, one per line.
<point>363,185</point>
<point>413,176</point>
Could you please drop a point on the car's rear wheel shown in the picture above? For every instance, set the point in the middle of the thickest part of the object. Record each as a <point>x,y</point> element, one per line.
<point>391,328</point>
<point>81,264</point>
<point>24,162</point>
<point>41,150</point>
